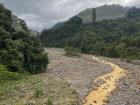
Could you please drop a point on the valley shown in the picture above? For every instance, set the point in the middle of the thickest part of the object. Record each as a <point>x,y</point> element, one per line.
<point>93,58</point>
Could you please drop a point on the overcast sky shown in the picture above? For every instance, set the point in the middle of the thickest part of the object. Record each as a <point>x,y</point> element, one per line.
<point>40,14</point>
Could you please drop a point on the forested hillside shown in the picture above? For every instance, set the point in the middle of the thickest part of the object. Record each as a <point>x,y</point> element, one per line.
<point>110,12</point>
<point>118,37</point>
<point>19,51</point>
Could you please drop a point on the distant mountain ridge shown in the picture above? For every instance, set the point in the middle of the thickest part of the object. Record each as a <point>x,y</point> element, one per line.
<point>104,12</point>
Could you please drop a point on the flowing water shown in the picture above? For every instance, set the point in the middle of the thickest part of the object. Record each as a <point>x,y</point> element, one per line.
<point>108,83</point>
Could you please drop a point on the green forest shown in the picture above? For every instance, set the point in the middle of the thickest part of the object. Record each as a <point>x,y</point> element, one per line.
<point>117,38</point>
<point>20,52</point>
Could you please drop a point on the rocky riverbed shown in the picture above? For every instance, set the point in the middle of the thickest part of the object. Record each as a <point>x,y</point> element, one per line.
<point>81,72</point>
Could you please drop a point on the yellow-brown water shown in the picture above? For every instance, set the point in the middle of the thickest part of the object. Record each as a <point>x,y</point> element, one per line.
<point>109,84</point>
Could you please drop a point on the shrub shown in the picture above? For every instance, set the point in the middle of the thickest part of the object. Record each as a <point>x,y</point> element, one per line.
<point>71,51</point>
<point>38,93</point>
<point>15,66</point>
<point>6,75</point>
<point>49,102</point>
<point>128,60</point>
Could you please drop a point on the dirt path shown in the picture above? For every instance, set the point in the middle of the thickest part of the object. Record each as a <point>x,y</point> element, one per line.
<point>107,86</point>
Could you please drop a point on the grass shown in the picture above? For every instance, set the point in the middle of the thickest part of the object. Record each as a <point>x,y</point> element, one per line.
<point>34,89</point>
<point>49,102</point>
<point>25,89</point>
<point>7,76</point>
<point>38,93</point>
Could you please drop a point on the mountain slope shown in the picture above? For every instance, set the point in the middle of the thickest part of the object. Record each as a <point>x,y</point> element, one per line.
<point>65,31</point>
<point>116,36</point>
<point>110,12</point>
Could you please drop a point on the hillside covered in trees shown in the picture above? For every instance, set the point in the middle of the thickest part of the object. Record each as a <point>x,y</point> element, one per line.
<point>115,35</point>
<point>19,51</point>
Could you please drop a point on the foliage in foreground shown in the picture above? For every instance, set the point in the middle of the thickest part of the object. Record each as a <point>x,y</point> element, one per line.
<point>37,90</point>
<point>19,51</point>
<point>7,76</point>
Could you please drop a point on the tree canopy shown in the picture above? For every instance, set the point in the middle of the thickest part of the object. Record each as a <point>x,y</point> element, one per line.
<point>19,51</point>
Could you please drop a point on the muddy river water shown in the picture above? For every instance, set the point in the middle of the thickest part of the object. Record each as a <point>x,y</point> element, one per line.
<point>107,84</point>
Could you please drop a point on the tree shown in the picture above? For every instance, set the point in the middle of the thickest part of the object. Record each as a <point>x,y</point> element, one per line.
<point>19,50</point>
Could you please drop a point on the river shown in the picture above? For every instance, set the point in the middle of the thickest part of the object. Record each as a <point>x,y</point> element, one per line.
<point>107,84</point>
